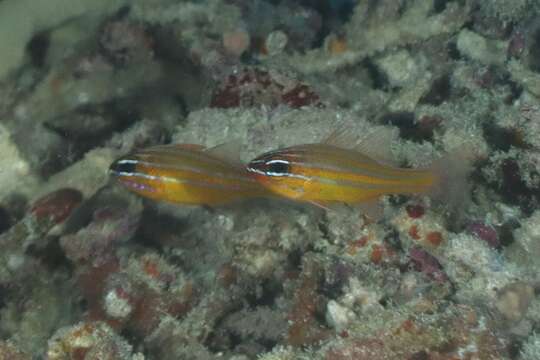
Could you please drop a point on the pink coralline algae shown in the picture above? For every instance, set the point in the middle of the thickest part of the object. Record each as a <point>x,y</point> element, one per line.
<point>427,264</point>
<point>415,211</point>
<point>485,232</point>
<point>256,86</point>
<point>125,292</point>
<point>56,206</point>
<point>94,243</point>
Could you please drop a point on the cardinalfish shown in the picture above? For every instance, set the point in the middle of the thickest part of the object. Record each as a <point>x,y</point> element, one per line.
<point>187,174</point>
<point>327,173</point>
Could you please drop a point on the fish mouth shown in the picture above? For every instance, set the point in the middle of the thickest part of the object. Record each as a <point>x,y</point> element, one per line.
<point>256,166</point>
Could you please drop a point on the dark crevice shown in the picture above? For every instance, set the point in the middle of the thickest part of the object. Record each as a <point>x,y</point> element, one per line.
<point>5,220</point>
<point>270,291</point>
<point>534,50</point>
<point>514,189</point>
<point>453,51</point>
<point>336,277</point>
<point>52,256</point>
<point>439,91</point>
<point>439,6</point>
<point>378,79</point>
<point>37,48</point>
<point>295,259</point>
<point>334,15</point>
<point>393,239</point>
<point>498,138</point>
<point>419,130</point>
<point>506,232</point>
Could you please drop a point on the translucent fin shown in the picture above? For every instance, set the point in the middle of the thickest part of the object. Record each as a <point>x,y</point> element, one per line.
<point>229,151</point>
<point>324,205</point>
<point>375,144</point>
<point>373,209</point>
<point>452,189</point>
<point>342,138</point>
<point>378,145</point>
<point>189,146</point>
<point>194,147</point>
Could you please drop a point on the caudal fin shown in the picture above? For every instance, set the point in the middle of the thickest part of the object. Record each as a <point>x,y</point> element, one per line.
<point>452,190</point>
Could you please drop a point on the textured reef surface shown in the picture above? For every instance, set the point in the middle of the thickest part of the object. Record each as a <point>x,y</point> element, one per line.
<point>91,271</point>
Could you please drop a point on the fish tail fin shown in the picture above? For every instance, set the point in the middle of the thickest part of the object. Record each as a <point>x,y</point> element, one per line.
<point>451,188</point>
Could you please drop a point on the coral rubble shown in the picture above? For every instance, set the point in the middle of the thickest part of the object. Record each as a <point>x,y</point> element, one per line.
<point>90,271</point>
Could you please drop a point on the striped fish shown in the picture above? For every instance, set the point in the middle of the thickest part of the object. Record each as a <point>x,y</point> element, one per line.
<point>186,174</point>
<point>324,173</point>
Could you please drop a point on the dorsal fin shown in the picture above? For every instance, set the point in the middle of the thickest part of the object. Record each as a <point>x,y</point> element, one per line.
<point>172,147</point>
<point>341,138</point>
<point>190,146</point>
<point>375,144</point>
<point>228,151</point>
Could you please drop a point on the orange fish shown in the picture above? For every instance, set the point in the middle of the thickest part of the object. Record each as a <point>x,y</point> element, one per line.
<point>325,173</point>
<point>186,174</point>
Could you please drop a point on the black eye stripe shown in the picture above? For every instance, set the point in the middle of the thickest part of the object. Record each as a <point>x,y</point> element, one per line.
<point>277,167</point>
<point>123,167</point>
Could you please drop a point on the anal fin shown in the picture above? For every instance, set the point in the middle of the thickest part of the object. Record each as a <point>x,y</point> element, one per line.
<point>373,209</point>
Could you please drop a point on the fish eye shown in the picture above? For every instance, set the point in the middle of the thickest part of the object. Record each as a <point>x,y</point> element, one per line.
<point>123,167</point>
<point>277,167</point>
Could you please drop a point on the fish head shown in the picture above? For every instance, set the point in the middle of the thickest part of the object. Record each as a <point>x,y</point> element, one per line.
<point>126,165</point>
<point>275,171</point>
<point>128,173</point>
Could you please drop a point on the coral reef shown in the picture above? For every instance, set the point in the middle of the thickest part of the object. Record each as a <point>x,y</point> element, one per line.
<point>19,25</point>
<point>91,271</point>
<point>92,340</point>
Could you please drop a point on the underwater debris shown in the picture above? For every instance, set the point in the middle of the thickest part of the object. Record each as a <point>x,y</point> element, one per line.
<point>90,341</point>
<point>31,231</point>
<point>236,42</point>
<point>531,348</point>
<point>19,25</point>
<point>9,352</point>
<point>304,328</point>
<point>127,292</point>
<point>375,27</point>
<point>514,299</point>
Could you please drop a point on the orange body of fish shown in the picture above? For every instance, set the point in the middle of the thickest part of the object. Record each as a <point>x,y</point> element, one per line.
<point>185,174</point>
<point>324,173</point>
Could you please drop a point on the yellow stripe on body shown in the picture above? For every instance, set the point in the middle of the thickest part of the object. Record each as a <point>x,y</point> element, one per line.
<point>188,176</point>
<point>327,173</point>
